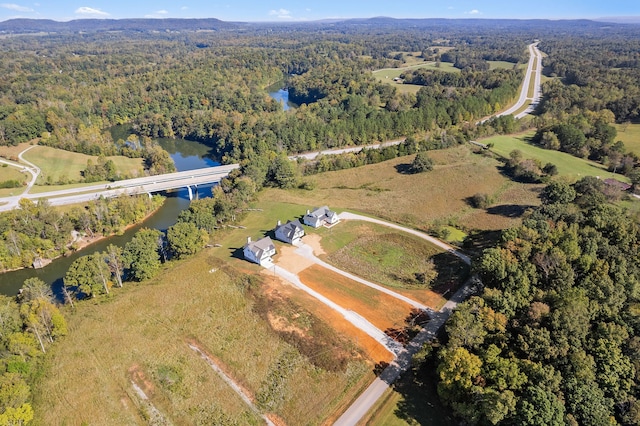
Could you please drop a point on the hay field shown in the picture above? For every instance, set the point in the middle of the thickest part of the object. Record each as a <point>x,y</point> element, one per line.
<point>141,333</point>
<point>424,200</point>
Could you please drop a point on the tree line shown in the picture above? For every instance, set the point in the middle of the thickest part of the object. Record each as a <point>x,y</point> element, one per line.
<point>552,337</point>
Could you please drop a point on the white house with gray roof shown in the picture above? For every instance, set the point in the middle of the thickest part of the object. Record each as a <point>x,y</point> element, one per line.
<point>290,232</point>
<point>260,251</point>
<point>321,216</point>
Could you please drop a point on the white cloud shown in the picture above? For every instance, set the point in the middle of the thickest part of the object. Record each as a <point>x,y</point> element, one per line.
<point>184,8</point>
<point>474,12</point>
<point>157,14</point>
<point>16,7</point>
<point>281,13</point>
<point>91,12</point>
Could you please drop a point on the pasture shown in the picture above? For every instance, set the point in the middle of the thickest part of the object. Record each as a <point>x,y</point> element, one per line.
<point>58,165</point>
<point>248,329</point>
<point>425,201</point>
<point>569,167</point>
<point>629,134</point>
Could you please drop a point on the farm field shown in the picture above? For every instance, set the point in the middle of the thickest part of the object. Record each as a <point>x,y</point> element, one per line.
<point>569,167</point>
<point>423,201</point>
<point>248,334</point>
<point>57,164</point>
<point>629,134</point>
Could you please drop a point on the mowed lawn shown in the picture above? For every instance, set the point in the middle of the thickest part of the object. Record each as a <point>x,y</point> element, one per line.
<point>56,164</point>
<point>11,173</point>
<point>386,75</point>
<point>569,167</point>
<point>421,201</point>
<point>142,333</point>
<point>629,134</point>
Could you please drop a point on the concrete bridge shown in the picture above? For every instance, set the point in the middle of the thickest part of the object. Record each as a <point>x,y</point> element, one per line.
<point>146,185</point>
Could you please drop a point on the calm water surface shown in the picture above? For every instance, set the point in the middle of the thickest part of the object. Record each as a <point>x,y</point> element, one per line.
<point>187,155</point>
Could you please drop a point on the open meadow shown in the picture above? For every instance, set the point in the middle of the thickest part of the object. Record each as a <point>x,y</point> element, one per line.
<point>629,134</point>
<point>424,201</point>
<point>12,174</point>
<point>293,366</point>
<point>59,165</point>
<point>569,167</point>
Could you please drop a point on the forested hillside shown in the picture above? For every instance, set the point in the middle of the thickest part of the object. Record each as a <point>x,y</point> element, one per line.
<point>553,338</point>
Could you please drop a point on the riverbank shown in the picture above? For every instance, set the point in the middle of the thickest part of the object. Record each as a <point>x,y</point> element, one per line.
<point>86,241</point>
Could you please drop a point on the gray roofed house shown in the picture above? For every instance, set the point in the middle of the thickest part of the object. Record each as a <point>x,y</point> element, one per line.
<point>260,251</point>
<point>321,216</point>
<point>290,232</point>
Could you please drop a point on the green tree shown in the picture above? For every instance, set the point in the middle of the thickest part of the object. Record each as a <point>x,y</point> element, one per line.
<point>421,163</point>
<point>141,254</point>
<point>186,239</point>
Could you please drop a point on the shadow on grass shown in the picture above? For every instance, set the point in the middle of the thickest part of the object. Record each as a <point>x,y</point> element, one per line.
<point>452,272</point>
<point>480,240</point>
<point>412,326</point>
<point>420,403</point>
<point>404,169</point>
<point>509,210</point>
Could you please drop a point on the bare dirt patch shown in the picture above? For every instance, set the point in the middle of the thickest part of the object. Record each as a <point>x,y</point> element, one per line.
<point>370,347</point>
<point>313,240</point>
<point>291,261</point>
<point>382,310</point>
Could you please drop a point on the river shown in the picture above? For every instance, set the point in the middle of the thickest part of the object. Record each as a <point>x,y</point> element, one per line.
<point>281,94</point>
<point>187,155</point>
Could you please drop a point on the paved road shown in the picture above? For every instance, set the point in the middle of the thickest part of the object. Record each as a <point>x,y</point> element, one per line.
<point>142,185</point>
<point>357,320</point>
<point>376,389</point>
<point>307,252</point>
<point>33,170</point>
<point>534,69</point>
<point>313,155</point>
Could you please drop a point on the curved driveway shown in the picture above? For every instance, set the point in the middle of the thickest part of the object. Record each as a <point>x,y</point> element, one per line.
<point>376,389</point>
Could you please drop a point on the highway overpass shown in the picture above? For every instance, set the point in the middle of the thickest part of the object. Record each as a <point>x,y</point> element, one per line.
<point>146,185</point>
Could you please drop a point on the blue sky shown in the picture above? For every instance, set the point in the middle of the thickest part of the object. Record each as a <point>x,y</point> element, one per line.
<point>300,10</point>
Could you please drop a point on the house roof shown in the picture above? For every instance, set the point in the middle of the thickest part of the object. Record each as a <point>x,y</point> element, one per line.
<point>290,228</point>
<point>260,246</point>
<point>321,211</point>
<point>618,184</point>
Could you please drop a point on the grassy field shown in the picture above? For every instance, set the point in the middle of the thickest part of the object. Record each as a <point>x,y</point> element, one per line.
<point>408,404</point>
<point>630,135</point>
<point>569,167</point>
<point>422,201</point>
<point>393,259</point>
<point>12,173</point>
<point>87,379</point>
<point>387,75</point>
<point>57,164</point>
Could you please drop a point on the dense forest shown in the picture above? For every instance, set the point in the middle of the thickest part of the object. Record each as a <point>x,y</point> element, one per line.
<point>552,338</point>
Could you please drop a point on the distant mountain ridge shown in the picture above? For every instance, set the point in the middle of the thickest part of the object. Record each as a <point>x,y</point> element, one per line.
<point>21,26</point>
<point>27,26</point>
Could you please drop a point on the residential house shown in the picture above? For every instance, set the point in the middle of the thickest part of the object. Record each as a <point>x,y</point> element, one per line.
<point>260,251</point>
<point>290,232</point>
<point>321,216</point>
